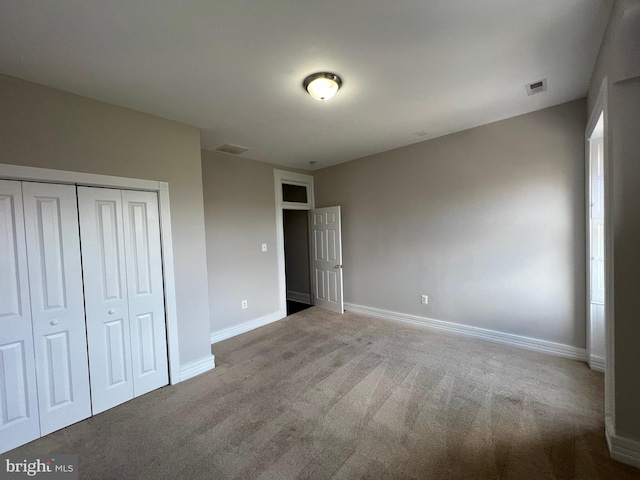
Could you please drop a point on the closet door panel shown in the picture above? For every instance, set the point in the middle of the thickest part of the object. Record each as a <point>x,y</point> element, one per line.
<point>108,328</point>
<point>145,290</point>
<point>19,420</point>
<point>57,304</point>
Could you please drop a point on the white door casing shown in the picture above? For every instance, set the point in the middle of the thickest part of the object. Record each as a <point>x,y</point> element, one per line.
<point>57,306</point>
<point>282,177</point>
<point>145,291</point>
<point>107,309</point>
<point>326,266</point>
<point>19,419</point>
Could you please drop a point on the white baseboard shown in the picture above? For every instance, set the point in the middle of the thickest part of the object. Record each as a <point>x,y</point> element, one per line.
<point>299,297</point>
<point>229,332</point>
<point>192,369</point>
<point>622,449</point>
<point>512,340</point>
<point>596,363</point>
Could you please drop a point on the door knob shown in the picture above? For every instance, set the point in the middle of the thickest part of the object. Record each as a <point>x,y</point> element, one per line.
<point>338,266</point>
<point>54,322</point>
<point>112,311</point>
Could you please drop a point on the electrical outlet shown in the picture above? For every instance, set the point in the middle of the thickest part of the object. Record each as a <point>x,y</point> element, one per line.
<point>264,247</point>
<point>424,299</point>
<point>244,304</point>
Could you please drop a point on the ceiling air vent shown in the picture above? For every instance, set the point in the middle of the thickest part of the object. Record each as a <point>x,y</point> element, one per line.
<point>232,149</point>
<point>537,87</point>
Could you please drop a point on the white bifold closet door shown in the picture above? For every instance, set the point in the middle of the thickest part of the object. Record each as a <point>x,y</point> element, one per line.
<point>57,304</point>
<point>19,419</point>
<point>44,379</point>
<point>124,295</point>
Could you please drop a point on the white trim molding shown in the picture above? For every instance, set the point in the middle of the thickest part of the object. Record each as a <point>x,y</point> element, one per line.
<point>195,368</point>
<point>229,332</point>
<point>168,274</point>
<point>623,449</point>
<point>300,297</point>
<point>21,172</point>
<point>597,363</point>
<point>509,339</point>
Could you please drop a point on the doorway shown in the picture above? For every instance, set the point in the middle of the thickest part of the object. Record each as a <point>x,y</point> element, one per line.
<point>294,192</point>
<point>596,307</point>
<point>296,260</point>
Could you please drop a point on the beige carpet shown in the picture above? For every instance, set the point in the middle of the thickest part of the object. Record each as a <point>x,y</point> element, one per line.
<point>320,396</point>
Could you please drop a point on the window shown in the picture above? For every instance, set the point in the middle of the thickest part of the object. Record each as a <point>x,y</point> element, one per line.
<point>294,193</point>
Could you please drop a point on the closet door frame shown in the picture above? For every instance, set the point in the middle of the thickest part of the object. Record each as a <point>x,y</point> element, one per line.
<point>35,174</point>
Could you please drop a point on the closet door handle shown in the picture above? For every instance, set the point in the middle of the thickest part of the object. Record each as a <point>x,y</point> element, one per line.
<point>53,322</point>
<point>112,311</point>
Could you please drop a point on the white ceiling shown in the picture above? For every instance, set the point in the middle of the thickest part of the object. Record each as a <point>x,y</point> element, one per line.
<point>412,69</point>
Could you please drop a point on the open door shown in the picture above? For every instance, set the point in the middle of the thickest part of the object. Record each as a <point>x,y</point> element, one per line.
<point>596,251</point>
<point>327,258</point>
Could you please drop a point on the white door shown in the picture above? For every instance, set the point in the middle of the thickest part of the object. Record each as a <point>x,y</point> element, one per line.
<point>597,255</point>
<point>145,291</point>
<point>105,287</point>
<point>327,258</point>
<point>19,422</point>
<point>57,306</point>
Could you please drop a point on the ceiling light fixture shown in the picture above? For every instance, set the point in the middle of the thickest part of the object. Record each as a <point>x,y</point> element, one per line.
<point>323,85</point>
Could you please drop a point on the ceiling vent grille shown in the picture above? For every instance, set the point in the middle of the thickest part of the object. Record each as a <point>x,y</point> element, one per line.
<point>232,149</point>
<point>537,87</point>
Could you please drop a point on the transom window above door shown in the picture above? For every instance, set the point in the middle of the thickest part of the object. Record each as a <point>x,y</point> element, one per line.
<point>294,193</point>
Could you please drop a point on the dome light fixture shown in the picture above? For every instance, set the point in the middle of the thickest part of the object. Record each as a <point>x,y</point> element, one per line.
<point>322,85</point>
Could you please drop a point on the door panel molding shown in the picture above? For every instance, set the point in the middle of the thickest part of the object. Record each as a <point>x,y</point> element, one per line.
<point>19,418</point>
<point>144,290</point>
<point>105,290</point>
<point>57,304</point>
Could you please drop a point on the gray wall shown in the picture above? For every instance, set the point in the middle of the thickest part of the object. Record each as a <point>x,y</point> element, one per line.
<point>240,216</point>
<point>619,63</point>
<point>296,245</point>
<point>43,127</point>
<point>488,222</point>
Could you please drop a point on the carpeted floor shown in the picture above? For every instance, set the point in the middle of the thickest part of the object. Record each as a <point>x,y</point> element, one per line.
<point>319,396</point>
